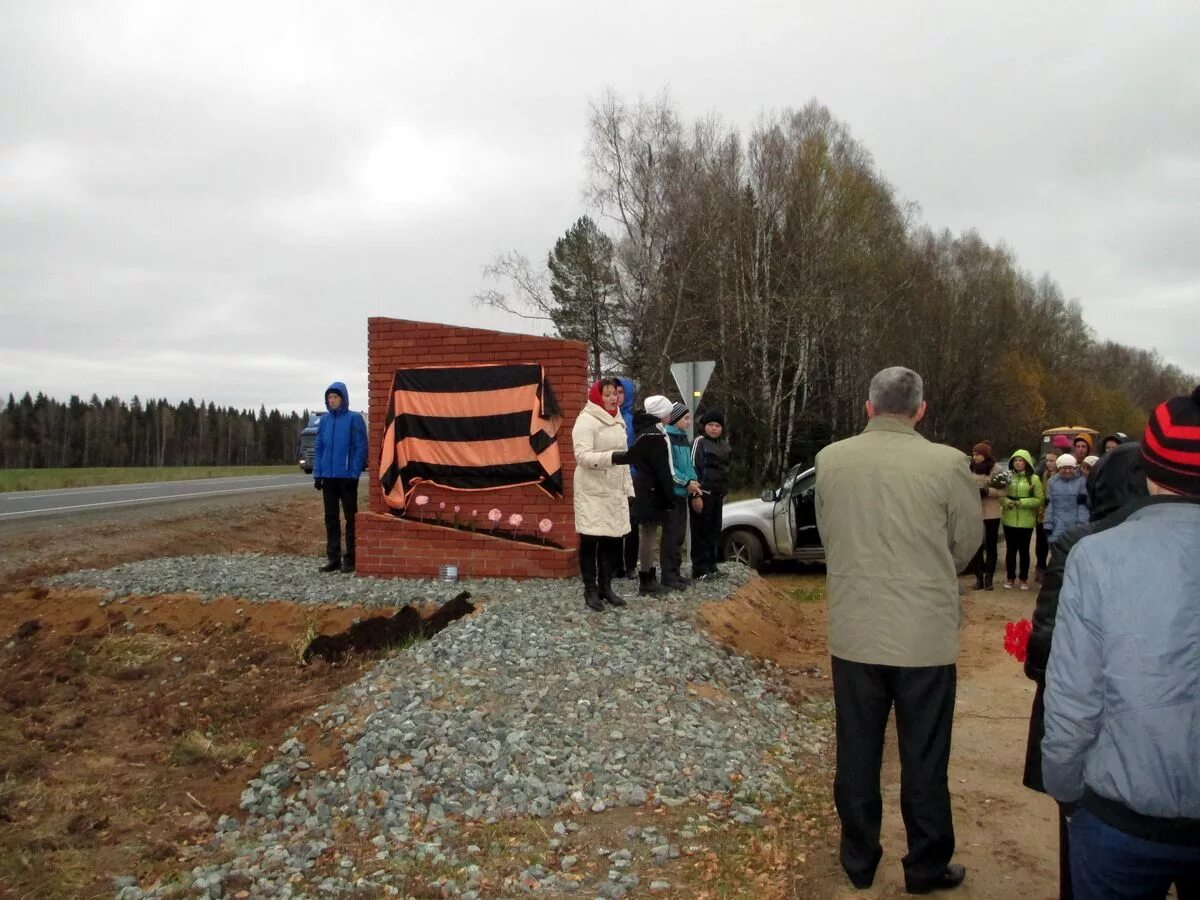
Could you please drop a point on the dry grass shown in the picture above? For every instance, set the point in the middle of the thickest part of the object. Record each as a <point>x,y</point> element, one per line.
<point>115,654</point>
<point>195,747</point>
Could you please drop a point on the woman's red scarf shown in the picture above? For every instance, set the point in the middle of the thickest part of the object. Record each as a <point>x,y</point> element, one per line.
<point>596,395</point>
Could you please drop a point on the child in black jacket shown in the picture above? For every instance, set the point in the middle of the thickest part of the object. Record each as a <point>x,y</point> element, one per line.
<point>710,455</point>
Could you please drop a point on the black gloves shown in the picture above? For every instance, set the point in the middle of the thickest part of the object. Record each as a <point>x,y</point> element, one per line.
<point>620,458</point>
<point>318,483</point>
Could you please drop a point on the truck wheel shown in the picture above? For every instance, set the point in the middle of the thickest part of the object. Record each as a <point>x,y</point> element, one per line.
<point>744,547</point>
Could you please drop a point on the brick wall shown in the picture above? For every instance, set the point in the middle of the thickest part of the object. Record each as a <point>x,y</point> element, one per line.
<point>391,546</point>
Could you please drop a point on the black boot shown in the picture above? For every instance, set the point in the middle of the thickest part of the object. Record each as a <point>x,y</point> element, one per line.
<point>591,596</point>
<point>334,565</point>
<point>611,597</point>
<point>348,564</point>
<point>649,585</point>
<point>979,581</point>
<point>673,581</point>
<point>987,583</point>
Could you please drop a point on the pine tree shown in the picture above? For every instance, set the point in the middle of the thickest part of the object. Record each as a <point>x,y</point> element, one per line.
<point>582,283</point>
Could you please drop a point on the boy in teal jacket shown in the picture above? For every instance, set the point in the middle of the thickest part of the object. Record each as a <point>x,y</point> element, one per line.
<point>683,474</point>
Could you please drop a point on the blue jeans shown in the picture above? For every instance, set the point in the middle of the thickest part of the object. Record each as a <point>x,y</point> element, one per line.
<point>1108,864</point>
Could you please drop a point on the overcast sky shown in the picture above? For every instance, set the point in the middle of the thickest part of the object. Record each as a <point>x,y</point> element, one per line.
<point>209,199</point>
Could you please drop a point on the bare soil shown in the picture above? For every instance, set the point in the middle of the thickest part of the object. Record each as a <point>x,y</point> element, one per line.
<point>1007,835</point>
<point>119,749</point>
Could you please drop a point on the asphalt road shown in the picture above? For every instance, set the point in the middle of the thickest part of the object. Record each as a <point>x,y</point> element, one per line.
<point>36,504</point>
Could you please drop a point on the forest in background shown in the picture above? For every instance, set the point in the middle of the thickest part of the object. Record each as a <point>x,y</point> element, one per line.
<point>41,432</point>
<point>785,256</point>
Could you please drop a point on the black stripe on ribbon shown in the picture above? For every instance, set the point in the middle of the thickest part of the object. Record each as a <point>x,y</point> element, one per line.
<point>465,379</point>
<point>476,478</point>
<point>463,428</point>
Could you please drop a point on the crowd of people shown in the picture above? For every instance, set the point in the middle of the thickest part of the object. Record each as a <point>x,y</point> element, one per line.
<point>639,482</point>
<point>1114,650</point>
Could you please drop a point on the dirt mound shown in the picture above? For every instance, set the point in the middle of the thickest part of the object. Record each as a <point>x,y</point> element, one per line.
<point>782,619</point>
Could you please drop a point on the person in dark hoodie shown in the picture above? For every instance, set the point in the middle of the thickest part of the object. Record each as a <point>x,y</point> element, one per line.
<point>654,490</point>
<point>1116,483</point>
<point>1112,441</point>
<point>710,456</point>
<point>340,452</point>
<point>626,396</point>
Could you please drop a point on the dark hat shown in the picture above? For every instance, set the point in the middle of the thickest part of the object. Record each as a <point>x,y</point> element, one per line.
<point>984,449</point>
<point>678,411</point>
<point>1171,444</point>
<point>713,415</point>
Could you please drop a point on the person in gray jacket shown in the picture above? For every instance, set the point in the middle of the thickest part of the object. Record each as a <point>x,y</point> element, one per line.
<point>1122,695</point>
<point>899,516</point>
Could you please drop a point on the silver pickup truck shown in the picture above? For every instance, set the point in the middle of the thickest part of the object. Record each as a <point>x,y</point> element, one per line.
<point>781,524</point>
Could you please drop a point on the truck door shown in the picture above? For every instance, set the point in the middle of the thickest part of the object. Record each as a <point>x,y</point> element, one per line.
<point>785,517</point>
<point>804,512</point>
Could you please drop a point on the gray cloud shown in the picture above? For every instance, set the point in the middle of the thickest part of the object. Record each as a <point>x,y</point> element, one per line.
<point>210,201</point>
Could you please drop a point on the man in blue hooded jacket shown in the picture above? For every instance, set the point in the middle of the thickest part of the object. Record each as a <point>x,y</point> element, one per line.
<point>340,454</point>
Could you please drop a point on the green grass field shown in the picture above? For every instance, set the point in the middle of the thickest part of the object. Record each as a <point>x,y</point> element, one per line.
<point>50,479</point>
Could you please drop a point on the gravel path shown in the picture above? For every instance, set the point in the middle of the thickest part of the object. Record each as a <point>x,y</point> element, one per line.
<point>534,707</point>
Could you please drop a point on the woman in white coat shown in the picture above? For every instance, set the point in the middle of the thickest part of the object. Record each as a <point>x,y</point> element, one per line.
<point>602,489</point>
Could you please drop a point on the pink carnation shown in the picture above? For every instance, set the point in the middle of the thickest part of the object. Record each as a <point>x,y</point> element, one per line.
<point>422,500</point>
<point>545,525</point>
<point>495,515</point>
<point>515,520</point>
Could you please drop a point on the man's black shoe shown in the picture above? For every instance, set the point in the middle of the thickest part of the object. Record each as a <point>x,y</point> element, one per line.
<point>862,882</point>
<point>949,879</point>
<point>348,566</point>
<point>332,566</point>
<point>591,597</point>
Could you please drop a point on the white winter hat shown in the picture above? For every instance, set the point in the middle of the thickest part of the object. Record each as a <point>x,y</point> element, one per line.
<point>658,406</point>
<point>1066,460</point>
<point>1090,460</point>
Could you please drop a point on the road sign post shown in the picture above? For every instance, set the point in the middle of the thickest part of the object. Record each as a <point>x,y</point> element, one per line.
<point>691,378</point>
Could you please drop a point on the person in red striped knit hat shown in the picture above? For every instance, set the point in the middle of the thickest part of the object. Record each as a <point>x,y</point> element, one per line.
<point>1123,683</point>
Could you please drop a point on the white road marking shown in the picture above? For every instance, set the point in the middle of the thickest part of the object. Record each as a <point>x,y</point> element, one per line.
<point>53,509</point>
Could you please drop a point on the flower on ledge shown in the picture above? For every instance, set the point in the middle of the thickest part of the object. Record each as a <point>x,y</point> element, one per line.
<point>1016,639</point>
<point>544,527</point>
<point>421,500</point>
<point>494,516</point>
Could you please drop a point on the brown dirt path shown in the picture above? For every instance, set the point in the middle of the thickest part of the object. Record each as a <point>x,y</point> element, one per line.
<point>1007,835</point>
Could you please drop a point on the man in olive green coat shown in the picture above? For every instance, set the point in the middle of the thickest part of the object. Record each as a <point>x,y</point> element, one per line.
<point>899,518</point>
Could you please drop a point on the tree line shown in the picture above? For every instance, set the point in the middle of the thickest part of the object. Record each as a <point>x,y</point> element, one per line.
<point>41,432</point>
<point>785,256</point>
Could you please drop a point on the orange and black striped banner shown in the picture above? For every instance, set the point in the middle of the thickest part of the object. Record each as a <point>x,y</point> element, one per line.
<point>470,428</point>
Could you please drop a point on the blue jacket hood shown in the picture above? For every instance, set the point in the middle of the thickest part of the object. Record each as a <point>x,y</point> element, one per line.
<point>630,389</point>
<point>340,388</point>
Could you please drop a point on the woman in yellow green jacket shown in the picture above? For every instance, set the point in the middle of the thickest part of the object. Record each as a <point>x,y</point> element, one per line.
<point>1018,513</point>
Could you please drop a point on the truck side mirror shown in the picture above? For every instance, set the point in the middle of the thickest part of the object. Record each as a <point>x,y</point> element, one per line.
<point>767,496</point>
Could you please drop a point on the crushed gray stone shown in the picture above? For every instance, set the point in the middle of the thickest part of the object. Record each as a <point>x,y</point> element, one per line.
<point>535,706</point>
